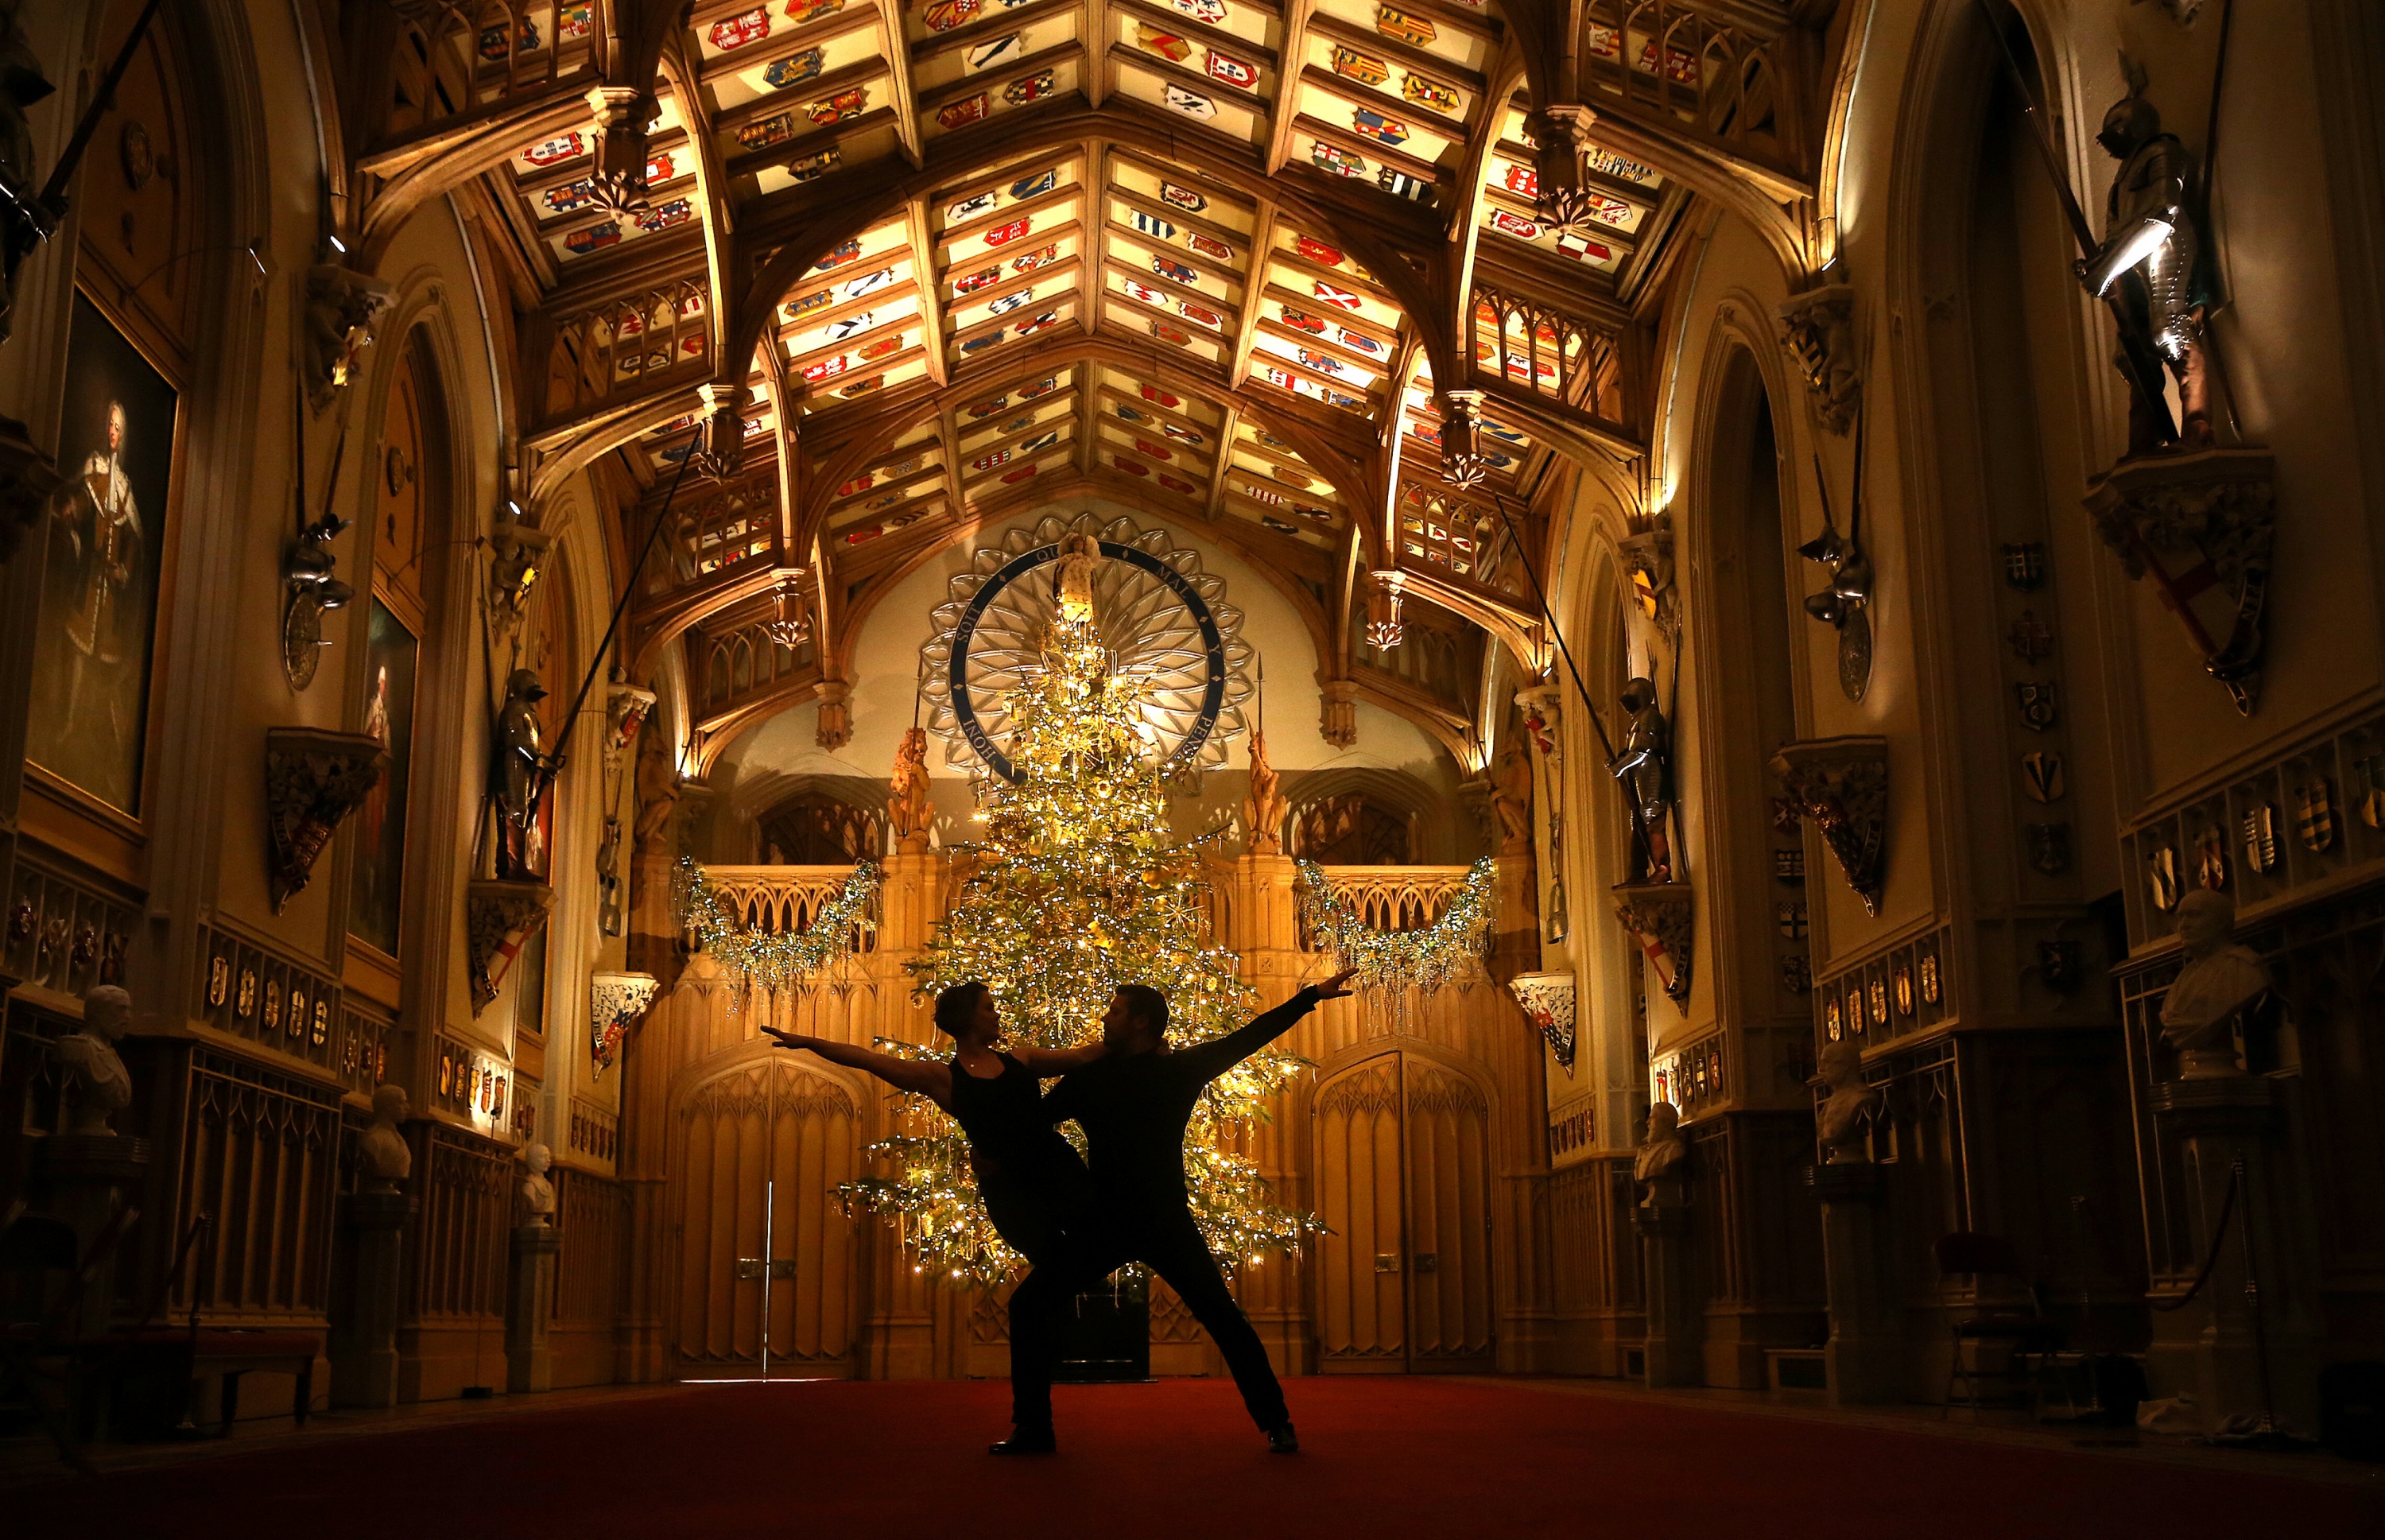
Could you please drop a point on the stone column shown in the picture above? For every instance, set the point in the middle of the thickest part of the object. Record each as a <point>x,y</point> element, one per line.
<point>530,1310</point>
<point>1675,1348</point>
<point>1866,1351</point>
<point>89,1176</point>
<point>2242,1361</point>
<point>364,1334</point>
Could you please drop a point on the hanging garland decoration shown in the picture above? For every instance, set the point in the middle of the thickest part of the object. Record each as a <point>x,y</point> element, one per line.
<point>1424,960</point>
<point>779,962</point>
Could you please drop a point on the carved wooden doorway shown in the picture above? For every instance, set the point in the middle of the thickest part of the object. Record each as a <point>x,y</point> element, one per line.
<point>1403,1180</point>
<point>767,1284</point>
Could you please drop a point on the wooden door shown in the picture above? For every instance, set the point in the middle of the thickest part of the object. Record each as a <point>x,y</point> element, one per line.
<point>1402,1183</point>
<point>767,1281</point>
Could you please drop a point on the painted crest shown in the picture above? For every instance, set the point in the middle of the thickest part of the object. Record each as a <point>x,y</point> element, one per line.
<point>978,345</point>
<point>2049,847</point>
<point>569,199</point>
<point>989,406</point>
<point>837,108</point>
<point>1174,272</point>
<point>1364,68</point>
<point>960,114</point>
<point>1211,11</point>
<point>795,70</point>
<point>1167,45</point>
<point>1427,94</point>
<point>2261,837</point>
<point>1181,197</point>
<point>1332,295</point>
<point>1406,28</point>
<point>2039,709</point>
<point>1789,920</point>
<point>1011,478</point>
<point>1005,49</point>
<point>663,216</point>
<point>869,284</point>
<point>2041,776</point>
<point>1036,186</point>
<point>1170,334</point>
<point>851,326</point>
<point>1142,292</point>
<point>801,11</point>
<point>2314,815</point>
<point>555,151</point>
<point>579,243</point>
<point>2211,857</point>
<point>976,281</point>
<point>1381,129</point>
<point>810,167</point>
<point>1318,252</point>
<point>1035,259</point>
<point>1335,159</point>
<point>987,462</point>
<point>969,209</point>
<point>1522,180</point>
<point>1233,72</point>
<point>1184,434</point>
<point>2371,804</point>
<point>1399,185</point>
<point>1044,386</point>
<point>1321,363</point>
<point>2024,565</point>
<point>1029,88</point>
<point>1132,467</point>
<point>768,132</point>
<point>1008,302</point>
<point>1173,484</point>
<point>2029,638</point>
<point>1151,224</point>
<point>1514,224</point>
<point>839,257</point>
<point>1154,393</point>
<point>1157,451</point>
<point>493,41</point>
<point>733,33</point>
<point>1040,441</point>
<point>827,369</point>
<point>1208,247</point>
<point>1191,103</point>
<point>1029,328</point>
<point>1357,342</point>
<point>944,15</point>
<point>1003,235</point>
<point>1300,321</point>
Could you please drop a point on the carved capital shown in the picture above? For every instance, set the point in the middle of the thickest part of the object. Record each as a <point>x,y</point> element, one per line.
<point>1543,718</point>
<point>313,780</point>
<point>1384,628</point>
<point>1548,1002</point>
<point>343,307</point>
<point>1841,784</point>
<point>1817,332</point>
<point>616,1001</point>
<point>2201,526</point>
<point>1647,554</point>
<point>28,479</point>
<point>1661,918</point>
<point>499,919</point>
<point>517,560</point>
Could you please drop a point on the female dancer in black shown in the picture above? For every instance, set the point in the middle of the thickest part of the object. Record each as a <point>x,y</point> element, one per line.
<point>1033,1182</point>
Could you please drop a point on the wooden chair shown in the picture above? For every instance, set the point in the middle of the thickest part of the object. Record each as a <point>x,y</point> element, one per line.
<point>2025,1338</point>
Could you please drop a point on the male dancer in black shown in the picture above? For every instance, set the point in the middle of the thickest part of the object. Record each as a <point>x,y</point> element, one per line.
<point>1133,1104</point>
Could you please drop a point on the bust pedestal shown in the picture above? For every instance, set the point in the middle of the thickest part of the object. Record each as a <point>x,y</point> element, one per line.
<point>530,1361</point>
<point>2218,1122</point>
<point>1675,1348</point>
<point>364,1332</point>
<point>1865,1354</point>
<point>89,1176</point>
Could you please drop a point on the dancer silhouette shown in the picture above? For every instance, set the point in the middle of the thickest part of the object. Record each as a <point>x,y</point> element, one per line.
<point>1035,1187</point>
<point>1133,1104</point>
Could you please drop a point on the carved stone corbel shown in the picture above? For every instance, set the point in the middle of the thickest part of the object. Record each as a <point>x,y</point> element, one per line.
<point>1337,713</point>
<point>2201,526</point>
<point>615,1003</point>
<point>28,479</point>
<point>1818,331</point>
<point>1842,786</point>
<point>1661,917</point>
<point>1384,628</point>
<point>626,707</point>
<point>1647,554</point>
<point>500,917</point>
<point>835,715</point>
<point>516,559</point>
<point>624,115</point>
<point>1461,438</point>
<point>1560,137</point>
<point>314,779</point>
<point>341,309</point>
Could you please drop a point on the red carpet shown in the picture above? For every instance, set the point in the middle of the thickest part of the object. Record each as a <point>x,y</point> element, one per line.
<point>1383,1457</point>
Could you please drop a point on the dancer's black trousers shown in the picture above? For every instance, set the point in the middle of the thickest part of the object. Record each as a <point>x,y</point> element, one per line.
<point>1170,1244</point>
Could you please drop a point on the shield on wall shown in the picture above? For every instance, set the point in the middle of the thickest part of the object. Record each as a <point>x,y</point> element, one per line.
<point>2049,847</point>
<point>2211,858</point>
<point>2042,777</point>
<point>2261,838</point>
<point>2039,710</point>
<point>2314,815</point>
<point>2161,878</point>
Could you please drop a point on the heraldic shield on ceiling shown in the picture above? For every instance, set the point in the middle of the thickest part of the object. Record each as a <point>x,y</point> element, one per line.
<point>1165,620</point>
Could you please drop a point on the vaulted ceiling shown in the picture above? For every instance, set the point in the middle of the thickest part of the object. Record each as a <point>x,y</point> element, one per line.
<point>824,285</point>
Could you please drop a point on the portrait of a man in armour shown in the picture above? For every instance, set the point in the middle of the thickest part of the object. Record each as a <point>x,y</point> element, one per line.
<point>105,545</point>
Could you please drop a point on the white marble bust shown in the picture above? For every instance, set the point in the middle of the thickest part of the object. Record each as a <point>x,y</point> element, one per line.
<point>1663,1151</point>
<point>387,1159</point>
<point>2219,981</point>
<point>537,1190</point>
<point>90,1074</point>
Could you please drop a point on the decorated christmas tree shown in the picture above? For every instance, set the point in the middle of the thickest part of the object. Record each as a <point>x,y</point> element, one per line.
<point>1079,887</point>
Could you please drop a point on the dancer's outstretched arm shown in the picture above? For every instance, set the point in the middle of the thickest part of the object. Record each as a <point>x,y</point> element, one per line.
<point>1210,1059</point>
<point>1043,1063</point>
<point>922,1077</point>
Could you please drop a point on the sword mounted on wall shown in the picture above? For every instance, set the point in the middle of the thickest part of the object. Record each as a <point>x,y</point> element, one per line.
<point>32,221</point>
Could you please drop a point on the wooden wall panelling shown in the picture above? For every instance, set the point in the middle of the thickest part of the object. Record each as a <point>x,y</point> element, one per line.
<point>591,1219</point>
<point>451,1324</point>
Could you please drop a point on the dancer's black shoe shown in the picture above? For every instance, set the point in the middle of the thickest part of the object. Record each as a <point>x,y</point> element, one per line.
<point>1283,1441</point>
<point>1026,1441</point>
